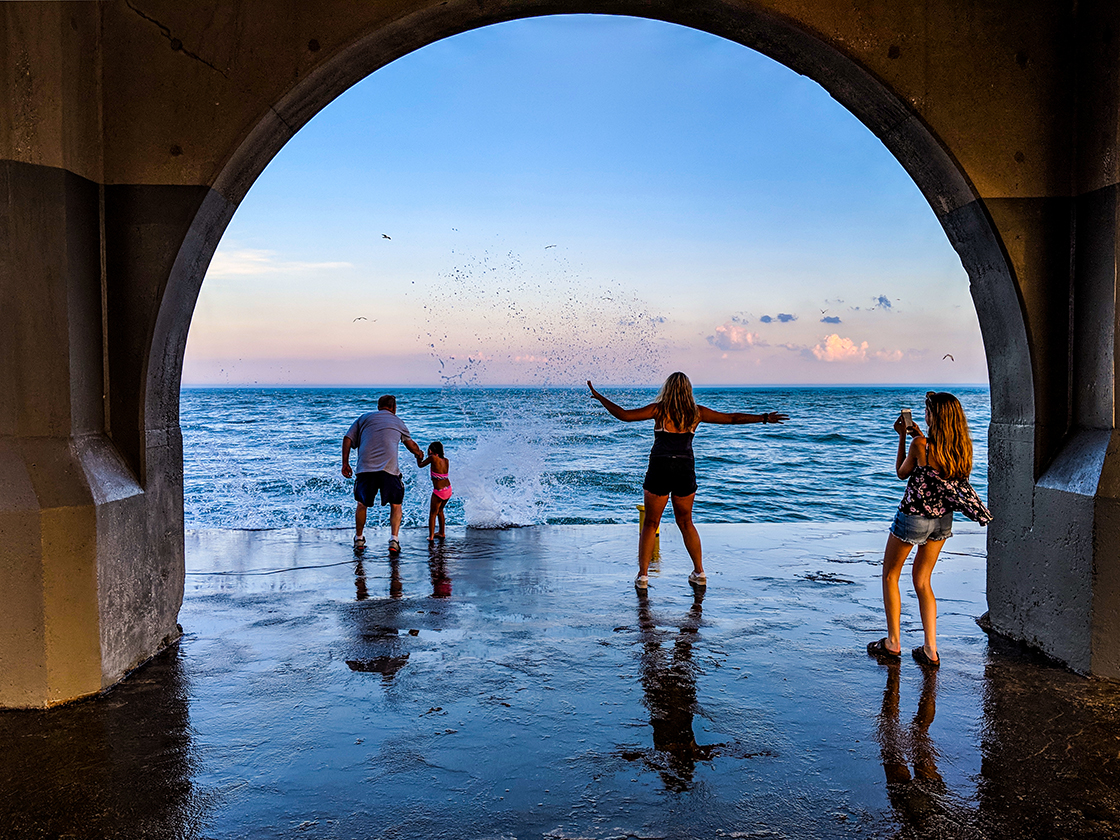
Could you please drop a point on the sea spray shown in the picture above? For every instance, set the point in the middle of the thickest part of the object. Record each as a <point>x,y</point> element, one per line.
<point>501,478</point>
<point>535,320</point>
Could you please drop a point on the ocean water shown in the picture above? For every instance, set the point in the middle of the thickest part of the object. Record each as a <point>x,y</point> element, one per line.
<point>271,457</point>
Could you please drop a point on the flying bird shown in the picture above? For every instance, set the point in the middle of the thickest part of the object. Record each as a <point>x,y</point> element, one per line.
<point>386,236</point>
<point>360,318</point>
<point>546,247</point>
<point>948,356</point>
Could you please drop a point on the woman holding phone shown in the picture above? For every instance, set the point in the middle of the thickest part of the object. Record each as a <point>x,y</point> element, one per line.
<point>937,470</point>
<point>672,468</point>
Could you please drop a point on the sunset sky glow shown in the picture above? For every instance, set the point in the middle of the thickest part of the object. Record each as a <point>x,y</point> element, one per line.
<point>556,199</point>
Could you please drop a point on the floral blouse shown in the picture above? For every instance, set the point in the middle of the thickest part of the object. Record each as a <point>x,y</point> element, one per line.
<point>928,494</point>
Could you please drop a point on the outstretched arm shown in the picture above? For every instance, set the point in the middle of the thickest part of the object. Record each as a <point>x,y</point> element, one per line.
<point>627,414</point>
<point>412,447</point>
<point>710,415</point>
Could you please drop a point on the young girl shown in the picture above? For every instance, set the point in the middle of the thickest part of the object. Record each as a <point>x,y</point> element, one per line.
<point>441,488</point>
<point>938,470</point>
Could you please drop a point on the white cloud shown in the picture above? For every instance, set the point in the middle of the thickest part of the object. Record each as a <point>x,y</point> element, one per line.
<point>245,262</point>
<point>731,336</point>
<point>837,349</point>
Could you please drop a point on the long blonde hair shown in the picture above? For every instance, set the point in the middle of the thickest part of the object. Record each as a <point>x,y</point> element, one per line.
<point>948,434</point>
<point>675,404</point>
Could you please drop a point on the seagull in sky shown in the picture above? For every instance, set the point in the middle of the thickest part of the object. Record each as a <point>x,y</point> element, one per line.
<point>386,236</point>
<point>948,356</point>
<point>361,318</point>
<point>546,247</point>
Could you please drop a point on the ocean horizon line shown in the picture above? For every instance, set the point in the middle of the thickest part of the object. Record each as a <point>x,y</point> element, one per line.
<point>759,387</point>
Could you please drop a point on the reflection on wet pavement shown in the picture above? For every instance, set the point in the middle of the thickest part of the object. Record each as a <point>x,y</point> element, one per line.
<point>918,798</point>
<point>513,684</point>
<point>669,682</point>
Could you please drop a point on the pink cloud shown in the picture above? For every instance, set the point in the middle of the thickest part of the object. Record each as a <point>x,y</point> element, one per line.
<point>732,336</point>
<point>836,349</point>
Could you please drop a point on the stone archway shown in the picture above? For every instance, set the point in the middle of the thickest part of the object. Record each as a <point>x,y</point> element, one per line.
<point>142,145</point>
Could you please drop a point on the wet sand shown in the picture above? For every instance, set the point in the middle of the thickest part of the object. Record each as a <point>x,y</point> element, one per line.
<point>512,684</point>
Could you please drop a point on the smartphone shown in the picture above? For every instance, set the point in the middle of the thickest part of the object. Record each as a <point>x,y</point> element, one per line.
<point>907,419</point>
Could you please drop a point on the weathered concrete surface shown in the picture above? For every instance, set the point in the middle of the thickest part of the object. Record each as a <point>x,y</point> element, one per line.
<point>514,684</point>
<point>131,130</point>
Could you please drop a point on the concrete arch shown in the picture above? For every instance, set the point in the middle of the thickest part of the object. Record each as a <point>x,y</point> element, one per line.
<point>131,130</point>
<point>939,177</point>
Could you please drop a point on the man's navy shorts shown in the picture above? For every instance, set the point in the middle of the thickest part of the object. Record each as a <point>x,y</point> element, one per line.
<point>367,484</point>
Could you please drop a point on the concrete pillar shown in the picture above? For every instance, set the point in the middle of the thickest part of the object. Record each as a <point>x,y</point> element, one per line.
<point>92,580</point>
<point>1053,572</point>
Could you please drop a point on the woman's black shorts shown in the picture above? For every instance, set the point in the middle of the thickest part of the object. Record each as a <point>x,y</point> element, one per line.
<point>367,484</point>
<point>670,476</point>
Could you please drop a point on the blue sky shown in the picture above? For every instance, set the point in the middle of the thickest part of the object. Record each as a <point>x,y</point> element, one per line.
<point>563,198</point>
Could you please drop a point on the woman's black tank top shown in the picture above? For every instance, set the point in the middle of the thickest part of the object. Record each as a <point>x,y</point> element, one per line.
<point>671,444</point>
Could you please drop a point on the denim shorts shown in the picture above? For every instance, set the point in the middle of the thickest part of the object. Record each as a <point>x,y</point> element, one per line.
<point>917,530</point>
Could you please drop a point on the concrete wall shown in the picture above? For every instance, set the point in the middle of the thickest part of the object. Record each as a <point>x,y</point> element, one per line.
<point>131,130</point>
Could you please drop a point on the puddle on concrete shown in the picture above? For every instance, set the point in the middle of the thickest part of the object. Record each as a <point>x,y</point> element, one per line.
<point>514,685</point>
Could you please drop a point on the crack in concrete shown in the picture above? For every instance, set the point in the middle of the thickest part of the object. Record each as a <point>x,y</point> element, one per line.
<point>280,117</point>
<point>176,44</point>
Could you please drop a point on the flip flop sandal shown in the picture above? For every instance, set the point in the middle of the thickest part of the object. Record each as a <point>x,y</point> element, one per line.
<point>923,659</point>
<point>880,648</point>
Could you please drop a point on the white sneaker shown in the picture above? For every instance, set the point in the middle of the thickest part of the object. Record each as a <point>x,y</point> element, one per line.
<point>394,547</point>
<point>641,581</point>
<point>698,579</point>
<point>359,541</point>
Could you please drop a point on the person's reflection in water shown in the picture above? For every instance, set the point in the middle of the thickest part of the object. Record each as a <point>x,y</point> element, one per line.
<point>396,588</point>
<point>916,799</point>
<point>360,581</point>
<point>437,567</point>
<point>669,683</point>
<point>377,624</point>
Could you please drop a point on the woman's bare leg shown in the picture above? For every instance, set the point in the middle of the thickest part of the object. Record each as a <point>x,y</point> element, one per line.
<point>893,557</point>
<point>682,512</point>
<point>655,506</point>
<point>924,562</point>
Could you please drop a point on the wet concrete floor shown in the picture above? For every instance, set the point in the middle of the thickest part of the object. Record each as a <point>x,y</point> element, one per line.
<point>512,684</point>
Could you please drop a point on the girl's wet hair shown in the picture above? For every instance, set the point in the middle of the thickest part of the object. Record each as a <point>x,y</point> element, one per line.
<point>676,404</point>
<point>436,447</point>
<point>948,434</point>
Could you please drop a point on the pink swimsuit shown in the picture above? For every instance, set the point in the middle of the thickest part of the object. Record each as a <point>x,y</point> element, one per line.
<point>441,492</point>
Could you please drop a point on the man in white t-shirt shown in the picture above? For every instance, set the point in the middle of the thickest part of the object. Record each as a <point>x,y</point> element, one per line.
<point>377,435</point>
